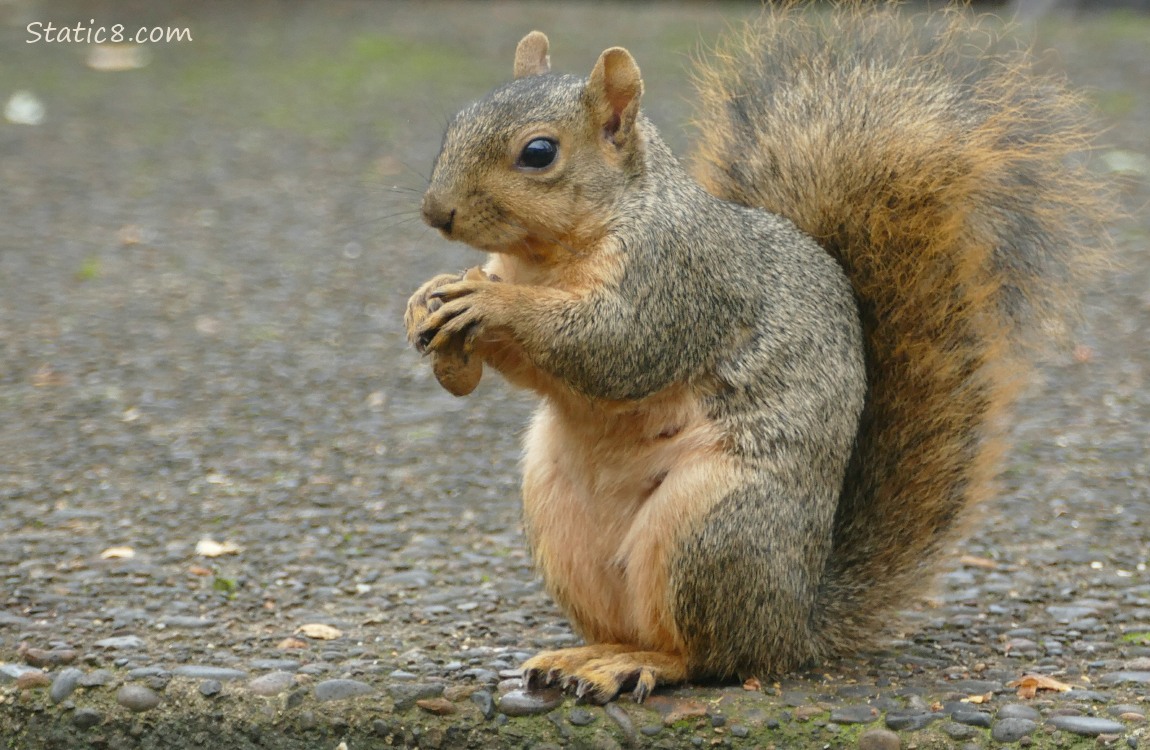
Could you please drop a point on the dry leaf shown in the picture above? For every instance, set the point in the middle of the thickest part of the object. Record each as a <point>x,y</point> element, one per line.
<point>290,643</point>
<point>319,631</point>
<point>752,683</point>
<point>1029,685</point>
<point>198,570</point>
<point>210,548</point>
<point>978,699</point>
<point>118,553</point>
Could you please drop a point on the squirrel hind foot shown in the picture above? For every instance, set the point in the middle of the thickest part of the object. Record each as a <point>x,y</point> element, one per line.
<point>599,673</point>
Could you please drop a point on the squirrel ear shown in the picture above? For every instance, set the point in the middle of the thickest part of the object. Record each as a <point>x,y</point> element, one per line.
<point>613,91</point>
<point>531,58</point>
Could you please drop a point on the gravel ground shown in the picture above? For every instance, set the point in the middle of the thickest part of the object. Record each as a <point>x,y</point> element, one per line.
<point>238,512</point>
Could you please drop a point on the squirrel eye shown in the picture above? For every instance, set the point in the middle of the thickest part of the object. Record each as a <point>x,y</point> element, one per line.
<point>538,154</point>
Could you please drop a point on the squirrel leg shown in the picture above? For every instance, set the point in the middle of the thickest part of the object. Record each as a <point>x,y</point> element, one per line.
<point>599,673</point>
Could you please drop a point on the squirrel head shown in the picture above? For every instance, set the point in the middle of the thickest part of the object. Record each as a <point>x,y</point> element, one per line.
<point>541,162</point>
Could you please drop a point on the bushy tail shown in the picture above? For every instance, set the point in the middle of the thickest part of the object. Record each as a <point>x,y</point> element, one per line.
<point>937,166</point>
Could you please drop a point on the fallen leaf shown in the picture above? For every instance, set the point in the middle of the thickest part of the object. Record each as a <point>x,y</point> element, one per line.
<point>1029,685</point>
<point>319,631</point>
<point>290,643</point>
<point>118,553</point>
<point>752,683</point>
<point>199,570</point>
<point>978,699</point>
<point>211,548</point>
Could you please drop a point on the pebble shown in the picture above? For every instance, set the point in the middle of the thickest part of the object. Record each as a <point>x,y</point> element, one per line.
<point>523,703</point>
<point>1089,726</point>
<point>96,678</point>
<point>334,690</point>
<point>38,657</point>
<point>957,731</point>
<point>120,642</point>
<point>485,702</point>
<point>271,684</point>
<point>190,623</point>
<point>274,665</point>
<point>580,716</point>
<point>210,688</point>
<point>879,739</point>
<point>740,731</point>
<point>137,698</point>
<point>33,678</point>
<point>1117,678</point>
<point>405,694</point>
<point>12,672</point>
<point>222,674</point>
<point>623,721</point>
<point>854,715</point>
<point>437,706</point>
<point>1018,711</point>
<point>86,718</point>
<point>1012,730</point>
<point>66,682</point>
<point>909,721</point>
<point>972,718</point>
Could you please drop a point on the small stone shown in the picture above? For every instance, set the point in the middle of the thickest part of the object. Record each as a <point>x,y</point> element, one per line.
<point>96,678</point>
<point>137,698</point>
<point>437,706</point>
<point>1012,730</point>
<point>740,731</point>
<point>38,657</point>
<point>972,718</point>
<point>455,693</point>
<point>223,674</point>
<point>66,682</point>
<point>86,718</point>
<point>910,721</point>
<point>405,694</point>
<point>485,702</point>
<point>33,678</point>
<point>580,716</point>
<point>524,703</point>
<point>1089,726</point>
<point>1126,708</point>
<point>854,714</point>
<point>623,721</point>
<point>272,683</point>
<point>1117,678</point>
<point>650,730</point>
<point>806,713</point>
<point>120,642</point>
<point>879,739</point>
<point>12,672</point>
<point>335,690</point>
<point>1018,711</point>
<point>189,623</point>
<point>210,688</point>
<point>1083,695</point>
<point>957,731</point>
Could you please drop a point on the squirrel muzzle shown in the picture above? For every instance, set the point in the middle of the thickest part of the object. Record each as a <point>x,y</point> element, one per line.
<point>436,215</point>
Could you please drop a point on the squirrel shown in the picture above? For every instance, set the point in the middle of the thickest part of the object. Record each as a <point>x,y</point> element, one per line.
<point>771,389</point>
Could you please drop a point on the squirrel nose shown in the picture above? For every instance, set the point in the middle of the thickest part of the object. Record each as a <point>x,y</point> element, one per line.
<point>436,215</point>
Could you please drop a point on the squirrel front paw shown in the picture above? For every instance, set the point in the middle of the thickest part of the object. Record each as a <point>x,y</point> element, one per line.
<point>452,362</point>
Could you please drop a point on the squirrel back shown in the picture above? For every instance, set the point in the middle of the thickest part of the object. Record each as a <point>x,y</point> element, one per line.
<point>922,160</point>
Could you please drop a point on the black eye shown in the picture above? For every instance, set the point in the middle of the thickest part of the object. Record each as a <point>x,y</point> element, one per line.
<point>538,154</point>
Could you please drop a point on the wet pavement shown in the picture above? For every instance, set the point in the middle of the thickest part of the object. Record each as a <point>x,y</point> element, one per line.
<point>236,510</point>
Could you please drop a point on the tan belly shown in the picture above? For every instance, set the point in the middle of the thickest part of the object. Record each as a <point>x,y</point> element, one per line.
<point>608,493</point>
